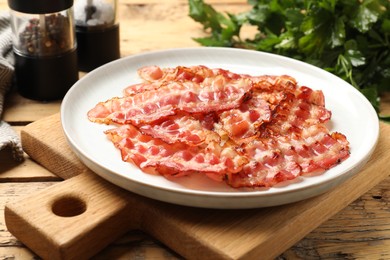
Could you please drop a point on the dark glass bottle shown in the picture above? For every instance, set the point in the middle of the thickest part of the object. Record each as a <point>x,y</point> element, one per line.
<point>44,46</point>
<point>97,32</point>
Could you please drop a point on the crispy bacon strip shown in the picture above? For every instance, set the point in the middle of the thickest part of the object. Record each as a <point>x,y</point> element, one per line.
<point>182,73</point>
<point>299,103</point>
<point>319,149</point>
<point>141,87</point>
<point>242,124</point>
<point>213,94</point>
<point>244,130</point>
<point>293,143</point>
<point>182,128</point>
<point>154,77</point>
<point>268,166</point>
<point>294,114</point>
<point>282,83</point>
<point>274,87</point>
<point>287,157</point>
<point>177,158</point>
<point>179,73</point>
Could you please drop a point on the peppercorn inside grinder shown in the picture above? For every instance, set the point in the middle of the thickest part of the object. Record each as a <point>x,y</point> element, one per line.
<point>97,32</point>
<point>45,48</point>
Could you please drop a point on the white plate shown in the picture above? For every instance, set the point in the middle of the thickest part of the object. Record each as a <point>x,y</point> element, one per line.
<point>352,115</point>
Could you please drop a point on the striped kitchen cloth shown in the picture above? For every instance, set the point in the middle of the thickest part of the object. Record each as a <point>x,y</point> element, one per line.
<point>8,137</point>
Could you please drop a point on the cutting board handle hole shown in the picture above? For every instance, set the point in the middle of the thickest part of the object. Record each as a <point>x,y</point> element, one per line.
<point>68,206</point>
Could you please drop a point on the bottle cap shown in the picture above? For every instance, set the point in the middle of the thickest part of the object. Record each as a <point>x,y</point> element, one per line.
<point>39,6</point>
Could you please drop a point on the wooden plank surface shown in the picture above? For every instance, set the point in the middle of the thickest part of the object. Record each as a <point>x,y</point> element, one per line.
<point>360,231</point>
<point>222,234</point>
<point>133,245</point>
<point>28,170</point>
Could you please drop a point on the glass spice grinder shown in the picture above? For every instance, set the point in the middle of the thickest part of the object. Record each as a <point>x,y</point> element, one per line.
<point>44,47</point>
<point>97,32</point>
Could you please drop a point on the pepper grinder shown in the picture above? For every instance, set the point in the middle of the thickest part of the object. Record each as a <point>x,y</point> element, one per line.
<point>97,33</point>
<point>44,46</point>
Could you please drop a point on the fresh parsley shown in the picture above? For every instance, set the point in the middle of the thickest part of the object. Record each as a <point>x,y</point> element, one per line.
<point>349,38</point>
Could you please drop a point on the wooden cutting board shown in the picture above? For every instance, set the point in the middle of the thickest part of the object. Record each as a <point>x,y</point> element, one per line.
<point>81,215</point>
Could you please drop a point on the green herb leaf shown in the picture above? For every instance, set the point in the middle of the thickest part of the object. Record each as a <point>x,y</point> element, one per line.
<point>349,38</point>
<point>367,13</point>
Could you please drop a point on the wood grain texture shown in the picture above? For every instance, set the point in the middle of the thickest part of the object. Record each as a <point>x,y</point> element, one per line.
<point>133,245</point>
<point>9,192</point>
<point>20,110</point>
<point>360,231</point>
<point>161,24</point>
<point>192,232</point>
<point>61,213</point>
<point>26,171</point>
<point>31,137</point>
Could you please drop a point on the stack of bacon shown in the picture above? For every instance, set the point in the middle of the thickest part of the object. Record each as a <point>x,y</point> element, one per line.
<point>249,131</point>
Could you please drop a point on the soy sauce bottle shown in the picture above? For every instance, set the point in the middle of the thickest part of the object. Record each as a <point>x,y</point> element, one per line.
<point>44,46</point>
<point>97,33</point>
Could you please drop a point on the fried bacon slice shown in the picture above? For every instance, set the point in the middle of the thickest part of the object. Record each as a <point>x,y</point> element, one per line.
<point>269,165</point>
<point>182,73</point>
<point>282,83</point>
<point>295,142</point>
<point>154,76</point>
<point>213,94</point>
<point>275,88</point>
<point>287,157</point>
<point>242,124</point>
<point>248,131</point>
<point>141,87</point>
<point>176,158</point>
<point>189,129</point>
<point>292,115</point>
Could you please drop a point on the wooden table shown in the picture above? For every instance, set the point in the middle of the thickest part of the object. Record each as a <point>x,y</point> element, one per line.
<point>361,230</point>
